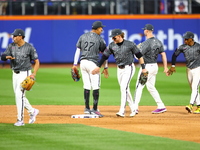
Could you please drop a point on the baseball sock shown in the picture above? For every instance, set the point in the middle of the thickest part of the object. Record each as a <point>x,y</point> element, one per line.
<point>86,98</point>
<point>96,98</point>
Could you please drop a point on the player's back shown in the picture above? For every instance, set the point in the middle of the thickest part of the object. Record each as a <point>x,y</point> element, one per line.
<point>91,44</point>
<point>150,49</point>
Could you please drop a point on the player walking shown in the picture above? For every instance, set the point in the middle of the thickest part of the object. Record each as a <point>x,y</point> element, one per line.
<point>123,51</point>
<point>150,50</point>
<point>191,51</point>
<point>21,54</point>
<point>90,45</point>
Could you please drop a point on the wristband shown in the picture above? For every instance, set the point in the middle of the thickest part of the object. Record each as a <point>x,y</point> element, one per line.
<point>75,64</point>
<point>143,66</point>
<point>173,65</point>
<point>105,67</point>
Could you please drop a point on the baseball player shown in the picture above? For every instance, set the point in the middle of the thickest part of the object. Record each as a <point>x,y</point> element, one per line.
<point>90,45</point>
<point>21,54</point>
<point>191,51</point>
<point>150,50</point>
<point>123,51</point>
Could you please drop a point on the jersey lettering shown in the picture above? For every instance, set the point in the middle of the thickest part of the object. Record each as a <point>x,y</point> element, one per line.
<point>88,46</point>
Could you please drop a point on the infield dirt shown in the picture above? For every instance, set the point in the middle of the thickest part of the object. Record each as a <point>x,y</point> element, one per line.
<point>176,123</point>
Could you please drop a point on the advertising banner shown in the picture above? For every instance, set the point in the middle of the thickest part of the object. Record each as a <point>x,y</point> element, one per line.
<point>55,39</point>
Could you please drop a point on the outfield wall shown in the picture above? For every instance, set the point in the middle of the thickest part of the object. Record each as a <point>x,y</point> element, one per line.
<point>55,37</point>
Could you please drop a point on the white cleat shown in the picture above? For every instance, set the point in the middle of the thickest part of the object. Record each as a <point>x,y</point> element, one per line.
<point>33,116</point>
<point>133,114</point>
<point>120,114</point>
<point>19,123</point>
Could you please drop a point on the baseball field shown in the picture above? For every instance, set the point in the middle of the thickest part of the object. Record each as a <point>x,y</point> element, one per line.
<point>58,97</point>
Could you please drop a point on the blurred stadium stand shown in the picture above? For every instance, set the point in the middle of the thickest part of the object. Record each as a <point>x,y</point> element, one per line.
<point>84,7</point>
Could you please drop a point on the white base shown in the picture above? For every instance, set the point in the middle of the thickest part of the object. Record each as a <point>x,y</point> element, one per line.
<point>85,116</point>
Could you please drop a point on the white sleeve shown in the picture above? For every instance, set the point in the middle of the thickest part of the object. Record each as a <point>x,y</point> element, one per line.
<point>76,56</point>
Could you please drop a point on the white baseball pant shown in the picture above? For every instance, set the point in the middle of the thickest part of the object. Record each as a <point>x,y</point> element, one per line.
<point>153,70</point>
<point>124,78</point>
<point>90,81</point>
<point>20,97</point>
<point>193,76</point>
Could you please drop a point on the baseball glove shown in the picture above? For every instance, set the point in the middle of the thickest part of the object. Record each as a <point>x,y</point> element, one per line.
<point>143,78</point>
<point>28,83</point>
<point>171,70</point>
<point>75,74</point>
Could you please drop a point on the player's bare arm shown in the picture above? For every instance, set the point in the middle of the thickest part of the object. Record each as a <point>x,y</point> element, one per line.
<point>10,57</point>
<point>164,60</point>
<point>105,70</point>
<point>36,67</point>
<point>96,70</point>
<point>101,62</point>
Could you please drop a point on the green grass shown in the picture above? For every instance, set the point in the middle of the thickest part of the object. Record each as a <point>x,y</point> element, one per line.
<point>54,86</point>
<point>82,137</point>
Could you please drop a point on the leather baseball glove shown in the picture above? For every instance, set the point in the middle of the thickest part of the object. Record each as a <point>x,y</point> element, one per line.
<point>75,74</point>
<point>28,83</point>
<point>143,78</point>
<point>171,70</point>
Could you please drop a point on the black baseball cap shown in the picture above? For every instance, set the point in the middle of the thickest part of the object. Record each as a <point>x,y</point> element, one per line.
<point>97,24</point>
<point>188,35</point>
<point>18,32</point>
<point>148,27</point>
<point>115,32</point>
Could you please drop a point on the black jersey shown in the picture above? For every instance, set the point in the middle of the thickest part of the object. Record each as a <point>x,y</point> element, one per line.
<point>23,56</point>
<point>191,53</point>
<point>150,50</point>
<point>90,45</point>
<point>123,52</point>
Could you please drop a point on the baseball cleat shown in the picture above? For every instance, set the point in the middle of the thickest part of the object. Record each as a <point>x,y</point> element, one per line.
<point>137,111</point>
<point>87,111</point>
<point>33,116</point>
<point>158,111</point>
<point>189,108</point>
<point>197,111</point>
<point>133,114</point>
<point>19,123</point>
<point>96,112</point>
<point>120,114</point>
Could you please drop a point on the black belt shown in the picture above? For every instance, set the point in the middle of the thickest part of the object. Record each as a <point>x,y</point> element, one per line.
<point>123,66</point>
<point>17,72</point>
